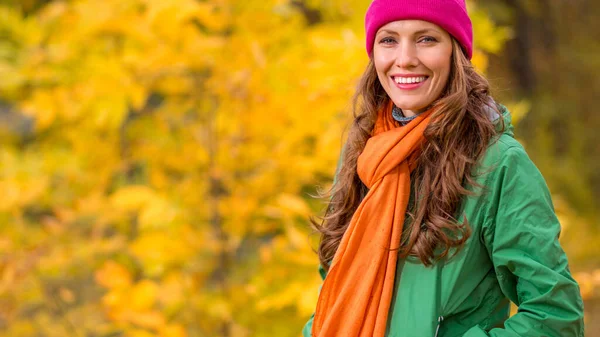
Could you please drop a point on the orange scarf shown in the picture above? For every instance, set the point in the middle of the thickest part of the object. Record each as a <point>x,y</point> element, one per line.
<point>355,297</point>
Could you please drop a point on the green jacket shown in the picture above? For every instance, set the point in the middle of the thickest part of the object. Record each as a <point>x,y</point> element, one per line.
<point>513,255</point>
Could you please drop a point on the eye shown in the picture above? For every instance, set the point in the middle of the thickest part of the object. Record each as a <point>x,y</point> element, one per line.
<point>387,40</point>
<point>428,39</point>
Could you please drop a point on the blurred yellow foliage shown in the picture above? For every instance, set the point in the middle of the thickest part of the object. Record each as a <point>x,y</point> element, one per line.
<point>167,150</point>
<point>113,275</point>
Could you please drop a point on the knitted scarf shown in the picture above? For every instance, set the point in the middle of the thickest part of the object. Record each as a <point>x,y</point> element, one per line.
<point>355,297</point>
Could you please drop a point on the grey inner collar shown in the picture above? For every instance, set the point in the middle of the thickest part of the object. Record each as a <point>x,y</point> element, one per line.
<point>399,116</point>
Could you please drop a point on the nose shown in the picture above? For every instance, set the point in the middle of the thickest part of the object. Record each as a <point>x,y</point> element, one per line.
<point>406,56</point>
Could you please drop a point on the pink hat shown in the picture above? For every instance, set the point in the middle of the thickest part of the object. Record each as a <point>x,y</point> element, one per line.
<point>448,14</point>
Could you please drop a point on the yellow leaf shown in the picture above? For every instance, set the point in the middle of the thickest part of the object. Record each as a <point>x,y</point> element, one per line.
<point>518,110</point>
<point>157,213</point>
<point>159,249</point>
<point>173,330</point>
<point>147,319</point>
<point>113,298</point>
<point>297,238</point>
<point>113,275</point>
<point>171,291</point>
<point>220,309</point>
<point>479,60</point>
<point>143,295</point>
<point>137,96</point>
<point>132,198</point>
<point>293,204</point>
<point>66,295</point>
<point>41,106</point>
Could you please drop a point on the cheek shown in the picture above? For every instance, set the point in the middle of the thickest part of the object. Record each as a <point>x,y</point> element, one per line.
<point>446,73</point>
<point>441,68</point>
<point>382,61</point>
<point>381,72</point>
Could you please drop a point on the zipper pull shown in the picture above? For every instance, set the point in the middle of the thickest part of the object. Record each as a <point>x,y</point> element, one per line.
<point>437,330</point>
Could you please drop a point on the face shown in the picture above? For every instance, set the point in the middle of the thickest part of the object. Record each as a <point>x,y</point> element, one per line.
<point>412,59</point>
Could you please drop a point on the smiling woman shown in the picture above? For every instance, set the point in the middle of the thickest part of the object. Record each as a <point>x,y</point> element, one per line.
<point>412,58</point>
<point>438,219</point>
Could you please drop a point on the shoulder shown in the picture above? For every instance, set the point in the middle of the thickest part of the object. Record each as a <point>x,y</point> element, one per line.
<point>504,152</point>
<point>509,176</point>
<point>516,198</point>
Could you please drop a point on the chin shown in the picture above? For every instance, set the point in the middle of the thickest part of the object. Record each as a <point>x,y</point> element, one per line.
<point>413,106</point>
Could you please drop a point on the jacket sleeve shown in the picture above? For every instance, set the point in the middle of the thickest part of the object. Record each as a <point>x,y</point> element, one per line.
<point>308,326</point>
<point>531,266</point>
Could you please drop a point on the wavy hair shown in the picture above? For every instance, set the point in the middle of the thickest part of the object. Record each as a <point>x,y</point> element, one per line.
<point>456,138</point>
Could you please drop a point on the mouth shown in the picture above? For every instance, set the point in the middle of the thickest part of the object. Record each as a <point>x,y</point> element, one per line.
<point>409,80</point>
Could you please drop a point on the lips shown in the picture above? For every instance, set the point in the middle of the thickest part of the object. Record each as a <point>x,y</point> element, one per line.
<point>409,82</point>
<point>409,79</point>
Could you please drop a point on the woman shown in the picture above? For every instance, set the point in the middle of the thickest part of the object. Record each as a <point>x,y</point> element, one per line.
<point>438,218</point>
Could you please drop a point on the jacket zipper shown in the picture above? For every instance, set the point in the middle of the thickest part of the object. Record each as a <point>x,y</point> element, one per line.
<point>439,298</point>
<point>437,330</point>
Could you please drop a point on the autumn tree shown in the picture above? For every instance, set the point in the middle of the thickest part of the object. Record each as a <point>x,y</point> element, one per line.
<point>158,160</point>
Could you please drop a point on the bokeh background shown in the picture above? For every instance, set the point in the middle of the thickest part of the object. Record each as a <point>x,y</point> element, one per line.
<point>159,158</point>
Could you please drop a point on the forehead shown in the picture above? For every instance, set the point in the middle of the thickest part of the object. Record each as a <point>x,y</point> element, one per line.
<point>410,26</point>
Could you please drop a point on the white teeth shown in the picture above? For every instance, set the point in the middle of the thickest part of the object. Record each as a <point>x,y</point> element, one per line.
<point>409,80</point>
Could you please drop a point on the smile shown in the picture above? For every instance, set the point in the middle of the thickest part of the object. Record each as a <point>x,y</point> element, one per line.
<point>409,80</point>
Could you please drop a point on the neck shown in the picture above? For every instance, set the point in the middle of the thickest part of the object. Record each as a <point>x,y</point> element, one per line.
<point>411,113</point>
<point>402,117</point>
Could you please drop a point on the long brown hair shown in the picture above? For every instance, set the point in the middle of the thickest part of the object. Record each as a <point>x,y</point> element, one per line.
<point>455,139</point>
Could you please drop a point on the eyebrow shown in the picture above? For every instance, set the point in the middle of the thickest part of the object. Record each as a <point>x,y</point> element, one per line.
<point>418,32</point>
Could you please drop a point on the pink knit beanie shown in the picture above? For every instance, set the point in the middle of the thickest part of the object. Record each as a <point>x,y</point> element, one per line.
<point>448,14</point>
